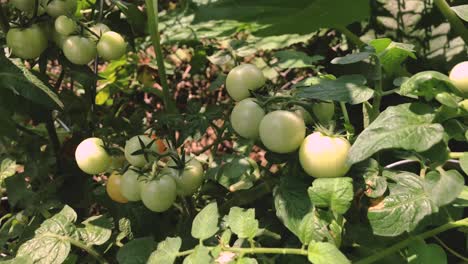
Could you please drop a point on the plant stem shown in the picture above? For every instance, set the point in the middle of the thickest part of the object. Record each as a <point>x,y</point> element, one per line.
<point>282,251</point>
<point>3,21</point>
<point>456,155</point>
<point>80,245</point>
<point>351,36</point>
<point>455,22</point>
<point>153,20</point>
<point>377,91</point>
<point>456,254</point>
<point>400,245</point>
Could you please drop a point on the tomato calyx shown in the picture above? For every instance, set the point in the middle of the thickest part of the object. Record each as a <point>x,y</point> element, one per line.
<point>329,131</point>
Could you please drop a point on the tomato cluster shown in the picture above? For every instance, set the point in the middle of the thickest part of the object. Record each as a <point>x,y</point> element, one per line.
<point>79,44</point>
<point>157,187</point>
<point>284,131</point>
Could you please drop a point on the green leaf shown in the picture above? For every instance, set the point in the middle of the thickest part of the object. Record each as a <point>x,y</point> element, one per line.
<point>461,11</point>
<point>237,173</point>
<point>392,57</point>
<point>268,72</point>
<point>246,260</point>
<point>136,251</point>
<point>292,203</point>
<point>7,169</point>
<point>278,17</point>
<point>421,253</point>
<point>205,223</point>
<point>280,41</point>
<point>18,260</point>
<point>444,186</point>
<point>242,222</point>
<point>291,59</point>
<point>352,58</point>
<point>407,204</point>
<point>97,230</point>
<point>166,252</point>
<point>427,84</point>
<point>376,186</point>
<point>462,199</point>
<point>312,228</point>
<point>16,77</point>
<point>333,193</point>
<point>18,191</point>
<point>325,253</point>
<point>216,84</point>
<point>348,88</point>
<point>464,162</point>
<point>201,255</point>
<point>406,126</point>
<point>133,15</point>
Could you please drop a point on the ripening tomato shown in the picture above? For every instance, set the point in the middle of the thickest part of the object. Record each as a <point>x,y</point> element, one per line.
<point>111,46</point>
<point>246,117</point>
<point>139,160</point>
<point>56,8</point>
<point>459,77</point>
<point>79,50</point>
<point>113,186</point>
<point>324,156</point>
<point>91,156</point>
<point>188,179</point>
<point>65,25</point>
<point>282,131</point>
<point>243,79</point>
<point>27,43</point>
<point>130,186</point>
<point>160,194</point>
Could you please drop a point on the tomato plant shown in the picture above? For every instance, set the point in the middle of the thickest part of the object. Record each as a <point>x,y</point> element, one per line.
<point>146,146</point>
<point>130,185</point>
<point>242,80</point>
<point>91,156</point>
<point>111,46</point>
<point>79,50</point>
<point>56,8</point>
<point>189,178</point>
<point>27,43</point>
<point>64,25</point>
<point>113,188</point>
<point>246,117</point>
<point>159,195</point>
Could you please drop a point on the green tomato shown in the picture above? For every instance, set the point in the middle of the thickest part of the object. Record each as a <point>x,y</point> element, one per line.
<point>459,77</point>
<point>130,186</point>
<point>79,50</point>
<point>56,8</point>
<point>189,179</point>
<point>28,6</point>
<point>91,156</point>
<point>27,43</point>
<point>322,156</point>
<point>98,29</point>
<point>324,111</point>
<point>113,188</point>
<point>65,25</point>
<point>246,117</point>
<point>58,38</point>
<point>242,79</point>
<point>159,195</point>
<point>282,131</point>
<point>133,144</point>
<point>304,114</point>
<point>111,46</point>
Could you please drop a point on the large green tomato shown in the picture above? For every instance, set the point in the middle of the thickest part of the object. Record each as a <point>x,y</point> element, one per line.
<point>459,77</point>
<point>65,25</point>
<point>246,117</point>
<point>79,50</point>
<point>189,179</point>
<point>111,46</point>
<point>133,145</point>
<point>113,188</point>
<point>282,131</point>
<point>56,8</point>
<point>242,79</point>
<point>323,156</point>
<point>130,186</point>
<point>91,156</point>
<point>98,29</point>
<point>159,195</point>
<point>27,43</point>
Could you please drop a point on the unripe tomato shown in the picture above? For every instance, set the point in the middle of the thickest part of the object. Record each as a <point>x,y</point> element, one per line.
<point>79,50</point>
<point>459,77</point>
<point>133,144</point>
<point>111,46</point>
<point>323,156</point>
<point>56,8</point>
<point>98,29</point>
<point>159,195</point>
<point>304,114</point>
<point>65,25</point>
<point>242,79</point>
<point>91,156</point>
<point>130,186</point>
<point>27,43</point>
<point>246,117</point>
<point>113,186</point>
<point>58,38</point>
<point>116,163</point>
<point>189,179</point>
<point>324,111</point>
<point>282,131</point>
<point>28,6</point>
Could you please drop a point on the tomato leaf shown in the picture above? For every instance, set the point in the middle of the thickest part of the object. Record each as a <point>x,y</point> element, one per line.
<point>291,59</point>
<point>419,253</point>
<point>199,256</point>
<point>445,186</point>
<point>333,193</point>
<point>136,251</point>
<point>96,231</point>
<point>461,11</point>
<point>312,228</point>
<point>7,169</point>
<point>166,252</point>
<point>205,223</point>
<point>429,84</point>
<point>464,162</point>
<point>406,126</point>
<point>324,253</point>
<point>242,222</point>
<point>348,88</point>
<point>352,58</point>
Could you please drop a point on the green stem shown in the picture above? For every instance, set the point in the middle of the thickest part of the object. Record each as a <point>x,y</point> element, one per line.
<point>455,22</point>
<point>456,254</point>
<point>456,155</point>
<point>377,92</point>
<point>349,126</point>
<point>400,245</point>
<point>282,251</point>
<point>351,36</point>
<point>153,20</point>
<point>80,245</point>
